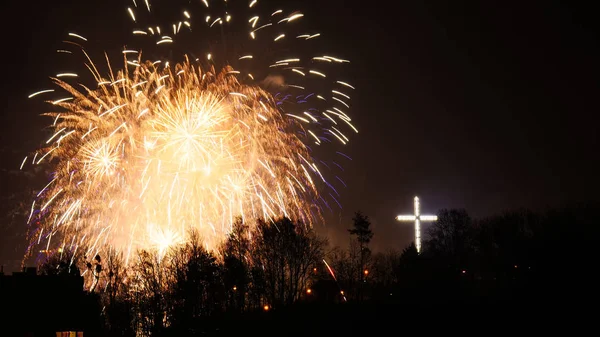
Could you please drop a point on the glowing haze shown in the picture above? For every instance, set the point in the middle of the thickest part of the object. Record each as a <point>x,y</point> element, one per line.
<point>142,154</point>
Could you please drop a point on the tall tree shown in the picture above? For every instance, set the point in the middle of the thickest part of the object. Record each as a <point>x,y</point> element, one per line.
<point>362,230</point>
<point>149,293</point>
<point>196,289</point>
<point>115,295</point>
<point>287,252</point>
<point>236,267</point>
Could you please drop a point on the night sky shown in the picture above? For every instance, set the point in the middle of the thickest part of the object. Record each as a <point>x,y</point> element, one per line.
<point>467,105</point>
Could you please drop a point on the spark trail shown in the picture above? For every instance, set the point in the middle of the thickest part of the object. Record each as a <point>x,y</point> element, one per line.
<point>160,146</point>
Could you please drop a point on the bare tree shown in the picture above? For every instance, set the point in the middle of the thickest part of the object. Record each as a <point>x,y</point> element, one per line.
<point>287,253</point>
<point>347,266</point>
<point>149,293</point>
<point>114,294</point>
<point>236,265</point>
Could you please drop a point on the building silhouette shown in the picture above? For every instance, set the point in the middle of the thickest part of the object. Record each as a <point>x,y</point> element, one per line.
<point>42,305</point>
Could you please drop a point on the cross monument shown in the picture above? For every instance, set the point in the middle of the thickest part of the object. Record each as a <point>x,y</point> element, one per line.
<point>417,218</point>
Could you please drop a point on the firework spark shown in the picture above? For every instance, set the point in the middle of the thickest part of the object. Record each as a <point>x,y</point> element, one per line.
<point>157,148</point>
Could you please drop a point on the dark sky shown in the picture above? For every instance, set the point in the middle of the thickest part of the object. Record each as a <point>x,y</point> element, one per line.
<point>479,105</point>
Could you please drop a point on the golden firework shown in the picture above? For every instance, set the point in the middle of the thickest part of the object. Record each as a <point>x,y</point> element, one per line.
<point>156,149</point>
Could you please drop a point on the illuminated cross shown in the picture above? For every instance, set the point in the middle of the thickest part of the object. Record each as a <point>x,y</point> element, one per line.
<point>417,218</point>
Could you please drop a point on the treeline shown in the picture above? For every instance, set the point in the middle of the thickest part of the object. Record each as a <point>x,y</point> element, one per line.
<point>511,258</point>
<point>157,293</point>
<point>519,257</point>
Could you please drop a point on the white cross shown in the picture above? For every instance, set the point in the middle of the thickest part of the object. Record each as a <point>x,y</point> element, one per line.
<point>417,218</point>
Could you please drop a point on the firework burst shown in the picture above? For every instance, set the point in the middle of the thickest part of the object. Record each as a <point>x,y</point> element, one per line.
<point>164,145</point>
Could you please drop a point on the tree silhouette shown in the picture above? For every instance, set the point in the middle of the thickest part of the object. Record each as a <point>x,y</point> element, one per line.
<point>408,267</point>
<point>149,293</point>
<point>115,296</point>
<point>501,261</point>
<point>345,265</point>
<point>383,270</point>
<point>236,275</point>
<point>451,236</point>
<point>286,252</point>
<point>362,230</point>
<point>506,239</point>
<point>196,288</point>
<point>65,262</point>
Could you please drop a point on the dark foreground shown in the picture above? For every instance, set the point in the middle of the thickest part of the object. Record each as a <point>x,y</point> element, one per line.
<point>546,310</point>
<point>512,313</point>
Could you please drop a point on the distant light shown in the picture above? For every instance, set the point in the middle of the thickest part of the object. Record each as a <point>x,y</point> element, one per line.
<point>309,291</point>
<point>464,271</point>
<point>234,288</point>
<point>516,266</point>
<point>342,292</point>
<point>266,307</point>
